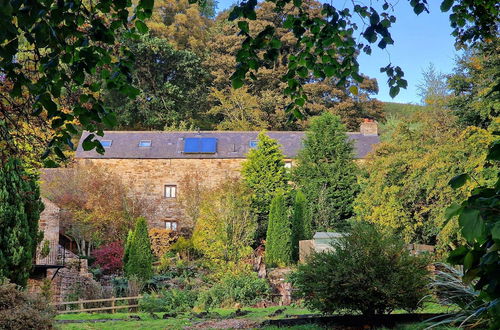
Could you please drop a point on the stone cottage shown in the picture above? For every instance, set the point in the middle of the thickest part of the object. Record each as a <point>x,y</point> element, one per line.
<point>157,164</point>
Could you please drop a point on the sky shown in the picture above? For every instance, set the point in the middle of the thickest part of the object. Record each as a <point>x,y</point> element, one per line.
<point>418,41</point>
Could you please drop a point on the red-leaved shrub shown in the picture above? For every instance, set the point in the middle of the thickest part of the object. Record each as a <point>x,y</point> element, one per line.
<point>109,258</point>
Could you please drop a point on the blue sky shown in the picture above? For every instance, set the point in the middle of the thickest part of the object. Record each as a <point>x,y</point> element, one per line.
<point>418,41</point>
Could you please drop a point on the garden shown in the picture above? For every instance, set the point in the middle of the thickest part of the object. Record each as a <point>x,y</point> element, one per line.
<point>238,259</point>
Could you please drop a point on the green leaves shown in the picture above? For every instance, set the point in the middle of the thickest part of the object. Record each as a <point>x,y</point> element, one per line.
<point>458,181</point>
<point>141,27</point>
<point>446,5</point>
<point>473,227</point>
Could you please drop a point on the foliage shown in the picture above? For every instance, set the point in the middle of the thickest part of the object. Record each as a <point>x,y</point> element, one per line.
<point>264,173</point>
<point>20,208</point>
<point>433,89</point>
<point>326,173</point>
<point>279,240</point>
<point>183,23</point>
<point>169,300</point>
<point>67,43</point>
<point>475,94</point>
<point>366,271</point>
<point>239,110</point>
<point>405,187</point>
<point>301,223</point>
<point>21,310</point>
<point>98,211</point>
<point>226,226</point>
<point>85,289</point>
<point>184,247</point>
<point>162,240</point>
<point>120,286</point>
<point>328,44</point>
<point>191,196</point>
<point>480,226</point>
<point>245,289</point>
<point>139,258</point>
<point>172,87</point>
<point>109,258</point>
<point>264,98</point>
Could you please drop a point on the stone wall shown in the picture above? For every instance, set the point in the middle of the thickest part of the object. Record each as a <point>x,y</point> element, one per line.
<point>148,177</point>
<point>49,221</point>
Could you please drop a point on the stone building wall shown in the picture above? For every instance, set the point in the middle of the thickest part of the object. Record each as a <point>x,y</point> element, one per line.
<point>49,221</point>
<point>148,177</point>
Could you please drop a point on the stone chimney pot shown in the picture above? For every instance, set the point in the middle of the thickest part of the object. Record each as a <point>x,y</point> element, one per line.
<point>369,127</point>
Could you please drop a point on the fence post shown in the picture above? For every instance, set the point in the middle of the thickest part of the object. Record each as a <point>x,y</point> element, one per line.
<point>113,305</point>
<point>80,304</point>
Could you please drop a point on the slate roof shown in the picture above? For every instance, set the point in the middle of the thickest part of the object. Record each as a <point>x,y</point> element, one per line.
<point>169,145</point>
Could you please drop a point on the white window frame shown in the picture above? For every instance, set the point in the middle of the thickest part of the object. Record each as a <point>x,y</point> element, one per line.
<point>171,225</point>
<point>170,191</point>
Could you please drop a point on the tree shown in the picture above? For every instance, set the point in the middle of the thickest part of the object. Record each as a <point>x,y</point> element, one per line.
<point>68,42</point>
<point>139,258</point>
<point>20,208</point>
<point>323,94</point>
<point>433,89</point>
<point>279,240</point>
<point>238,110</point>
<point>98,211</point>
<point>301,225</point>
<point>264,173</point>
<point>475,92</point>
<point>365,271</point>
<point>326,173</point>
<point>182,23</point>
<point>405,186</point>
<point>226,226</point>
<point>172,84</point>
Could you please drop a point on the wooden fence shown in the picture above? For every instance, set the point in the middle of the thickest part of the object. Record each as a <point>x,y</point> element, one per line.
<point>113,307</point>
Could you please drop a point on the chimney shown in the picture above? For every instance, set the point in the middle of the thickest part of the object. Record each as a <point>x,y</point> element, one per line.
<point>368,127</point>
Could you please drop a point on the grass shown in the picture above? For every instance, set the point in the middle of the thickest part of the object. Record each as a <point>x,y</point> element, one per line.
<point>183,320</point>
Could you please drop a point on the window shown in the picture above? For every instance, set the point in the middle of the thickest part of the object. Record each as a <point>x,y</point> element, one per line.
<point>252,144</point>
<point>200,145</point>
<point>288,164</point>
<point>145,143</point>
<point>170,191</point>
<point>106,143</point>
<point>171,225</point>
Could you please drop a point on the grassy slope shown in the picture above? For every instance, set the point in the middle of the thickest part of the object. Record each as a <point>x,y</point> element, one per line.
<point>400,110</point>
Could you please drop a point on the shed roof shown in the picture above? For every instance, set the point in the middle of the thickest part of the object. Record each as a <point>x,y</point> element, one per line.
<point>170,145</point>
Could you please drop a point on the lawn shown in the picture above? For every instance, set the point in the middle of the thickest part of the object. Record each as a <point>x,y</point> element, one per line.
<point>256,315</point>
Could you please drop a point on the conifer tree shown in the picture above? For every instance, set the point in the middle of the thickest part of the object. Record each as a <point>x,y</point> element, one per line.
<point>301,228</point>
<point>264,173</point>
<point>138,253</point>
<point>128,242</point>
<point>326,173</point>
<point>279,232</point>
<point>20,208</point>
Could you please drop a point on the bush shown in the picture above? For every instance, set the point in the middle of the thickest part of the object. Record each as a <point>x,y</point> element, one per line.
<point>244,288</point>
<point>279,249</point>
<point>20,310</point>
<point>169,300</point>
<point>138,257</point>
<point>109,258</point>
<point>162,240</point>
<point>367,272</point>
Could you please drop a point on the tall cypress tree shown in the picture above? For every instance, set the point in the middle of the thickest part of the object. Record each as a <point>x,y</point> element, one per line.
<point>326,173</point>
<point>264,173</point>
<point>139,257</point>
<point>301,227</point>
<point>20,208</point>
<point>279,232</point>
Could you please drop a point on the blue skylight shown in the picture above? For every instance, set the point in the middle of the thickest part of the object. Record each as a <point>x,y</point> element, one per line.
<point>106,143</point>
<point>145,143</point>
<point>252,144</point>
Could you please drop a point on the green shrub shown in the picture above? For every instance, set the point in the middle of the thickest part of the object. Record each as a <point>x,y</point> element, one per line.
<point>366,272</point>
<point>20,310</point>
<point>138,255</point>
<point>279,233</point>
<point>169,300</point>
<point>244,288</point>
